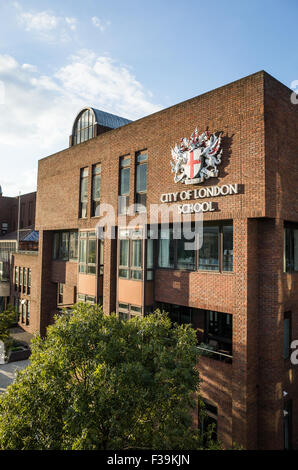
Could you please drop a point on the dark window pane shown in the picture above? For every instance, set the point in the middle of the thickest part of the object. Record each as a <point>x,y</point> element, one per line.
<point>228,248</point>
<point>92,251</point>
<point>141,178</point>
<point>208,254</point>
<point>124,273</point>
<point>185,258</point>
<point>73,246</point>
<point>64,246</point>
<point>83,251</point>
<point>136,275</point>
<point>166,249</point>
<point>124,181</point>
<point>136,257</point>
<point>124,252</point>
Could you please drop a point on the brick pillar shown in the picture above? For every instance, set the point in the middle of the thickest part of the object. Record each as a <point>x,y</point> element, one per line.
<point>245,328</point>
<point>271,362</point>
<point>110,276</point>
<point>48,292</point>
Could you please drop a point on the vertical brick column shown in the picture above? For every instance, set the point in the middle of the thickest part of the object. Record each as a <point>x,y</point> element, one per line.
<point>245,327</point>
<point>48,296</point>
<point>110,275</point>
<point>271,362</point>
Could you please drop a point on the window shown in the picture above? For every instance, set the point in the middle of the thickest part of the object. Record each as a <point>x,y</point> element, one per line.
<point>23,303</point>
<point>29,282</point>
<point>73,246</point>
<point>86,299</point>
<point>178,313</point>
<point>4,228</point>
<point>291,248</point>
<point>60,293</point>
<point>287,334</point>
<point>208,254</point>
<point>20,279</point>
<point>88,247</point>
<point>84,127</point>
<point>141,182</point>
<point>65,246</point>
<point>127,311</point>
<point>130,254</point>
<point>84,193</point>
<point>24,280</point>
<point>16,277</point>
<point>208,422</point>
<point>124,185</point>
<point>96,178</point>
<point>218,331</point>
<point>28,312</point>
<point>215,254</point>
<point>287,411</point>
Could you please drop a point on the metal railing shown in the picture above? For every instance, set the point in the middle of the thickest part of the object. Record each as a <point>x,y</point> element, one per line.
<point>220,355</point>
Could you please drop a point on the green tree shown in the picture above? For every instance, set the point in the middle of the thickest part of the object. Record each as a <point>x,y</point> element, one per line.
<point>8,318</point>
<point>96,382</point>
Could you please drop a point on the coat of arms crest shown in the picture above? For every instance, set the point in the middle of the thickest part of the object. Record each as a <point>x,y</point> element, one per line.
<point>196,159</point>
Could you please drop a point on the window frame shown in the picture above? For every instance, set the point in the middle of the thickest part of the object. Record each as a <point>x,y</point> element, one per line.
<point>291,227</point>
<point>196,268</point>
<point>142,194</point>
<point>57,243</point>
<point>131,270</point>
<point>88,235</point>
<point>84,177</point>
<point>124,165</point>
<point>96,166</point>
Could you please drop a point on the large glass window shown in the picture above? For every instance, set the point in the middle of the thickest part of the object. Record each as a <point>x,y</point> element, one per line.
<point>65,245</point>
<point>166,248</point>
<point>227,262</point>
<point>141,181</point>
<point>130,255</point>
<point>218,331</point>
<point>96,179</point>
<point>84,127</point>
<point>208,422</point>
<point>179,252</point>
<point>208,254</point>
<point>88,248</point>
<point>291,248</point>
<point>124,184</point>
<point>84,193</point>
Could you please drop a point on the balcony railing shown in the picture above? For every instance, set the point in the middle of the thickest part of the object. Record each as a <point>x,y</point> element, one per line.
<point>212,353</point>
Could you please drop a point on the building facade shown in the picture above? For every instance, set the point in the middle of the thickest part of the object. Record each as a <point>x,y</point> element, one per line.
<point>239,289</point>
<point>17,219</point>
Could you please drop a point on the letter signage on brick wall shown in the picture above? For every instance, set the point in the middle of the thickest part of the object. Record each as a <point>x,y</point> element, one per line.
<point>201,193</point>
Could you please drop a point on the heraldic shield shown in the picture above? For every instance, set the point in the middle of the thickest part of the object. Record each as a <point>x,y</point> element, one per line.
<point>193,164</point>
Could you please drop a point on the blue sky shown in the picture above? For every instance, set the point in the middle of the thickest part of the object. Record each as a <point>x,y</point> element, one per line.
<point>129,57</point>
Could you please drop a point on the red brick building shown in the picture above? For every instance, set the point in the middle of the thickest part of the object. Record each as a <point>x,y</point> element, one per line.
<point>239,289</point>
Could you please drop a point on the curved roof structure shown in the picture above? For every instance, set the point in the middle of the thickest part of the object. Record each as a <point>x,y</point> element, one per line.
<point>102,118</point>
<point>109,120</point>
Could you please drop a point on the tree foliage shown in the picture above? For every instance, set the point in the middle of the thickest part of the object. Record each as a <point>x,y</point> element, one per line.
<point>8,318</point>
<point>96,382</point>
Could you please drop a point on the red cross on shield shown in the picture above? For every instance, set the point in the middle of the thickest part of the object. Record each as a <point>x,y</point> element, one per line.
<point>193,164</point>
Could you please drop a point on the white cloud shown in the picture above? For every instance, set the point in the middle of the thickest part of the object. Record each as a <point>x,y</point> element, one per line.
<point>42,21</point>
<point>72,23</point>
<point>98,23</point>
<point>38,111</point>
<point>45,24</point>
